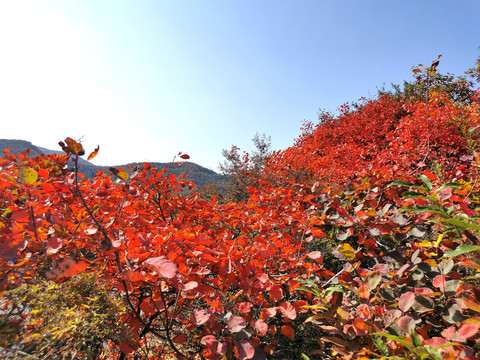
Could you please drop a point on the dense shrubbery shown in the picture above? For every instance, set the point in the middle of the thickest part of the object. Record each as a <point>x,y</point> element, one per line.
<point>360,238</point>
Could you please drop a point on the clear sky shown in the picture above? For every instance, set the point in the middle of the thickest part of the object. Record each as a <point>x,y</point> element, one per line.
<point>147,79</point>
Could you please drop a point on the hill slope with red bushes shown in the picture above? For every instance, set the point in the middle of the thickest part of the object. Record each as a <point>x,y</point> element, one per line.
<point>359,242</point>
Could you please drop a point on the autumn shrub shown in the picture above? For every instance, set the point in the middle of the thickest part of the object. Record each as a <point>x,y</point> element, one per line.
<point>384,137</point>
<point>197,278</point>
<point>78,319</point>
<point>417,292</point>
<point>357,242</point>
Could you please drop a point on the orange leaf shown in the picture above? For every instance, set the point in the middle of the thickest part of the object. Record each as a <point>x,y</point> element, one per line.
<point>94,153</point>
<point>317,232</point>
<point>74,147</point>
<point>66,268</point>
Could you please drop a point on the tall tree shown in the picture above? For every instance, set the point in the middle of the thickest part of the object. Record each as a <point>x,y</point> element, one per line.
<point>244,170</point>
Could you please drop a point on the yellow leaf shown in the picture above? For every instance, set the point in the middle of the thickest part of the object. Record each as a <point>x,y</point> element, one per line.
<point>472,305</point>
<point>439,240</point>
<point>347,251</point>
<point>122,174</point>
<point>344,315</point>
<point>426,243</point>
<point>29,175</point>
<point>314,317</point>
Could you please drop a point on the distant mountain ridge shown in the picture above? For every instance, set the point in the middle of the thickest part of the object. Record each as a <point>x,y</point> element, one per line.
<point>192,171</point>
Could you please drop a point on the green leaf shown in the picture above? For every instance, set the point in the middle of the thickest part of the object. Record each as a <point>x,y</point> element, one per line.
<point>435,353</point>
<point>380,344</point>
<point>29,175</point>
<point>472,130</point>
<point>416,195</point>
<point>447,185</point>
<point>398,339</point>
<point>462,249</point>
<point>6,212</point>
<point>305,357</point>
<point>426,181</point>
<point>462,224</point>
<point>420,209</point>
<point>332,289</point>
<point>415,339</point>
<point>403,183</point>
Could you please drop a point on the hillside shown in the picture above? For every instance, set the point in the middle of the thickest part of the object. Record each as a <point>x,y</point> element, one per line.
<point>359,242</point>
<point>193,172</point>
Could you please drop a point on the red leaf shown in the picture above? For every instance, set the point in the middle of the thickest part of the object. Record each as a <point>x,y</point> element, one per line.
<point>21,216</point>
<point>244,350</point>
<point>190,285</point>
<point>54,244</point>
<point>218,347</point>
<point>382,268</point>
<point>221,348</point>
<point>43,173</point>
<point>360,326</point>
<point>185,157</point>
<point>199,316</point>
<point>287,310</point>
<point>207,340</point>
<point>406,301</point>
<point>9,248</point>
<point>236,324</point>
<point>126,348</point>
<point>370,244</point>
<point>163,266</point>
<point>267,313</point>
<point>276,293</point>
<point>468,330</point>
<point>435,341</point>
<point>261,327</point>
<point>180,339</point>
<point>439,282</point>
<point>406,323</point>
<point>91,230</point>
<point>288,331</point>
<point>364,311</point>
<point>315,255</point>
<point>132,276</point>
<point>245,307</point>
<point>423,291</point>
<point>448,332</point>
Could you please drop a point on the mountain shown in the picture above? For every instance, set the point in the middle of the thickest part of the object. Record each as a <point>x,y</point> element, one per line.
<point>193,172</point>
<point>18,146</point>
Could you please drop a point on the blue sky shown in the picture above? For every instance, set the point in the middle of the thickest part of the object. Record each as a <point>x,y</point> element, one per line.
<point>147,79</point>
